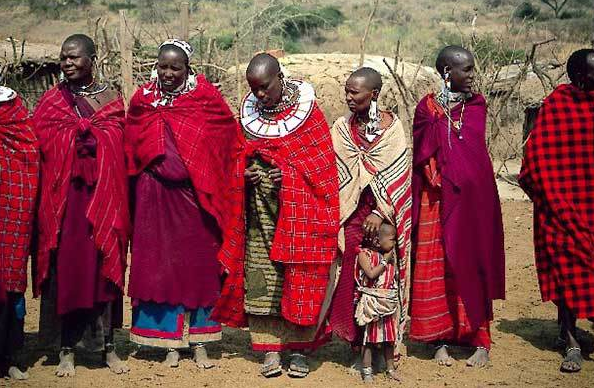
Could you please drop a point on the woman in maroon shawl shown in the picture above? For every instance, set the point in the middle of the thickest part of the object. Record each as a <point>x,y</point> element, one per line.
<point>558,175</point>
<point>458,233</point>
<point>83,214</point>
<point>180,137</point>
<point>19,170</point>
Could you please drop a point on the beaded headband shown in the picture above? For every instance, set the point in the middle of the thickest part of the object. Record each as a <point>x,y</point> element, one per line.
<point>181,44</point>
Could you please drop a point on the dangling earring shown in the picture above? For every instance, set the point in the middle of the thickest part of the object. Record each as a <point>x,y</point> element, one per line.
<point>154,75</point>
<point>98,72</point>
<point>448,83</point>
<point>191,81</point>
<point>373,111</point>
<point>61,77</point>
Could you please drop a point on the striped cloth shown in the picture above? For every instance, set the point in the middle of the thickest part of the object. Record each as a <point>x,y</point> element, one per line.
<point>56,125</point>
<point>437,312</point>
<point>378,315</point>
<point>385,168</point>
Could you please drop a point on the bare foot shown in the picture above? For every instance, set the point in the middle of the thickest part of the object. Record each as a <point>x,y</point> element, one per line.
<point>172,358</point>
<point>115,364</point>
<point>573,360</point>
<point>66,366</point>
<point>17,374</point>
<point>479,359</point>
<point>201,357</point>
<point>442,357</point>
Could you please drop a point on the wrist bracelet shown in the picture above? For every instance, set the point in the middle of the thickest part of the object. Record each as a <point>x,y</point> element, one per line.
<point>377,213</point>
<point>384,262</point>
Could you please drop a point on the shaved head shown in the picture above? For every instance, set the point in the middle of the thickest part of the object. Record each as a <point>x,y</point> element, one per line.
<point>84,42</point>
<point>373,79</point>
<point>450,56</point>
<point>263,64</point>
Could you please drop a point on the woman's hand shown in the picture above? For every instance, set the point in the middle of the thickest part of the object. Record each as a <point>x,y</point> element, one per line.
<point>371,225</point>
<point>276,175</point>
<point>253,175</point>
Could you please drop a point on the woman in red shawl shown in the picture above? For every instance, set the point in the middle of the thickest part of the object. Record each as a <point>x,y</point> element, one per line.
<point>83,214</point>
<point>279,249</point>
<point>19,169</point>
<point>458,232</point>
<point>558,175</point>
<point>180,142</point>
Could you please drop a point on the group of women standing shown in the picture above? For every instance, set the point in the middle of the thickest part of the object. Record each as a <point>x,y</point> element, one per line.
<point>277,222</point>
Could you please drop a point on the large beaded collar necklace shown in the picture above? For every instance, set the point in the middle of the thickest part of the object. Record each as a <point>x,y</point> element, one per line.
<point>91,90</point>
<point>295,107</point>
<point>7,94</point>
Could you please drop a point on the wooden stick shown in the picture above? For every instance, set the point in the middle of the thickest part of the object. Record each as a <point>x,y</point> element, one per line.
<point>185,20</point>
<point>364,38</point>
<point>126,59</point>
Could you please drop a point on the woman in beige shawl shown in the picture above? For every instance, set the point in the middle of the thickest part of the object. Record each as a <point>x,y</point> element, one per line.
<point>374,171</point>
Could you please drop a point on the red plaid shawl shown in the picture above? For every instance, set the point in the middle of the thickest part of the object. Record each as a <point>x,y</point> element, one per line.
<point>19,170</point>
<point>558,175</point>
<point>307,227</point>
<point>56,124</point>
<point>206,135</point>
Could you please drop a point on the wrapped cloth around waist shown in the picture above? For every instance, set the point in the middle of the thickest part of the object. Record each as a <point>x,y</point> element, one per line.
<point>375,303</point>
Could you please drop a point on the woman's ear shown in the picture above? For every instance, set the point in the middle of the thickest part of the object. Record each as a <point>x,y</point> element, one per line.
<point>375,94</point>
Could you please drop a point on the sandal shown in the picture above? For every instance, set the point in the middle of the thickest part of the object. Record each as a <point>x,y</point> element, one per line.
<point>367,374</point>
<point>391,373</point>
<point>572,362</point>
<point>272,365</point>
<point>298,366</point>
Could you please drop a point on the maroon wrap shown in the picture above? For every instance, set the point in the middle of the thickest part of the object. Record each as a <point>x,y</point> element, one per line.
<point>470,209</point>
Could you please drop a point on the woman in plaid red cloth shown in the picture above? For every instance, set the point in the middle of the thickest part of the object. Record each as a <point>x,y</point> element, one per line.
<point>558,175</point>
<point>19,169</point>
<point>180,139</point>
<point>83,213</point>
<point>278,250</point>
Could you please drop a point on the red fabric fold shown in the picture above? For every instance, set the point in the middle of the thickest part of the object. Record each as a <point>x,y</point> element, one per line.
<point>208,143</point>
<point>19,171</point>
<point>558,175</point>
<point>57,125</point>
<point>308,223</point>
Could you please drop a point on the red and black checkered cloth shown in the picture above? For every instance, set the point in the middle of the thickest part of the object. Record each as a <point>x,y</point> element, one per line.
<point>19,171</point>
<point>558,175</point>
<point>56,125</point>
<point>206,136</point>
<point>307,228</point>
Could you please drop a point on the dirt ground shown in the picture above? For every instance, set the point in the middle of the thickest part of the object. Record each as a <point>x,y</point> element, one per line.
<point>523,354</point>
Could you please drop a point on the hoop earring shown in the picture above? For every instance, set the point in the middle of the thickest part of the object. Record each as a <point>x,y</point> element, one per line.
<point>98,72</point>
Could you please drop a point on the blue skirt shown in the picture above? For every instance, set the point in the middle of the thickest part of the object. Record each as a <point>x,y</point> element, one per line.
<point>167,326</point>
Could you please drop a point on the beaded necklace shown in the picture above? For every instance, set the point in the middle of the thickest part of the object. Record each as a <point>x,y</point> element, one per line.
<point>289,97</point>
<point>91,90</point>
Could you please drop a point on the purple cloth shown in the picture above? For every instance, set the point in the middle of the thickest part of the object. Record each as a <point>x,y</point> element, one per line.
<point>470,209</point>
<point>342,311</point>
<point>175,241</point>
<point>78,263</point>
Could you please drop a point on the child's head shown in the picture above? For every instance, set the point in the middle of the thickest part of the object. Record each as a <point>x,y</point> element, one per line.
<point>386,237</point>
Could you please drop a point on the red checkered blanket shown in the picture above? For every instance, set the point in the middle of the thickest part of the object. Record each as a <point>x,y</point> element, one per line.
<point>19,170</point>
<point>56,125</point>
<point>558,175</point>
<point>307,227</point>
<point>206,136</point>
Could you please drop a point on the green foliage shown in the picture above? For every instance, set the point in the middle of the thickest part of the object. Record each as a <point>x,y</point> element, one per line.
<point>486,48</point>
<point>115,7</point>
<point>493,3</point>
<point>526,11</point>
<point>300,21</point>
<point>225,40</point>
<point>54,8</point>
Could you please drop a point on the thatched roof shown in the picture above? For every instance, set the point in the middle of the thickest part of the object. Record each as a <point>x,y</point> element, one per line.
<point>31,52</point>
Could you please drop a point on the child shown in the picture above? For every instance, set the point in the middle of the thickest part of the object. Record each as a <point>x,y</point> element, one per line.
<point>375,275</point>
